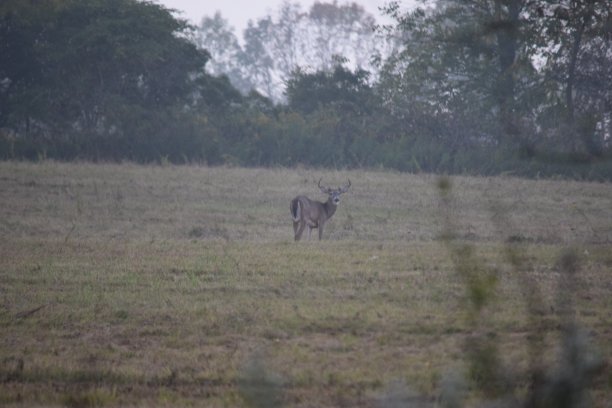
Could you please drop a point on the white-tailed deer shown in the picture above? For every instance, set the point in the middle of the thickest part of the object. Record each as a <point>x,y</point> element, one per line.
<point>314,214</point>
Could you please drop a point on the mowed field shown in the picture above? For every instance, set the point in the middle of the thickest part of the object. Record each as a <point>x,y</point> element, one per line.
<point>159,286</point>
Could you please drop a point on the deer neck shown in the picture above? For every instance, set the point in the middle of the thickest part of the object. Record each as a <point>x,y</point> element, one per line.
<point>330,208</point>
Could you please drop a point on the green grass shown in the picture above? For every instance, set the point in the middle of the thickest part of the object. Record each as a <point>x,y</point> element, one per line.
<point>125,285</point>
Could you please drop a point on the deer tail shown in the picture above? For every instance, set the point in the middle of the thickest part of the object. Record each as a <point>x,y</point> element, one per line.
<point>296,209</point>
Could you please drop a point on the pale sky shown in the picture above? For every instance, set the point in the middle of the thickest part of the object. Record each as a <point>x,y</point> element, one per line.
<point>239,12</point>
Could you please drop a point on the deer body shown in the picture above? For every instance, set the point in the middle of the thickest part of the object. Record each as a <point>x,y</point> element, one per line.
<point>314,214</point>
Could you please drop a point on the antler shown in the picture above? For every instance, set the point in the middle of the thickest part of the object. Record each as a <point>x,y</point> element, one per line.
<point>324,189</point>
<point>346,186</point>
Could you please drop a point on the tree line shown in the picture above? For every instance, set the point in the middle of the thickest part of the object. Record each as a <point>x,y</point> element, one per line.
<point>490,87</point>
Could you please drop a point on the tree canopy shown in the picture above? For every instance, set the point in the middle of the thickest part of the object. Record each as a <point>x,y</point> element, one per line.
<point>450,86</point>
<point>87,78</point>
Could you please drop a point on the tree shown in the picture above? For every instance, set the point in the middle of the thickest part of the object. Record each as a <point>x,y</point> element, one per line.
<point>465,62</point>
<point>257,60</point>
<point>275,45</point>
<point>337,88</point>
<point>216,36</point>
<point>272,49</point>
<point>21,73</point>
<point>340,29</point>
<point>98,72</point>
<point>342,107</point>
<point>494,70</point>
<point>577,60</point>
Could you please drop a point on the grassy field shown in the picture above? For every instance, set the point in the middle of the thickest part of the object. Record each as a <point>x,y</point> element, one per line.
<point>125,285</point>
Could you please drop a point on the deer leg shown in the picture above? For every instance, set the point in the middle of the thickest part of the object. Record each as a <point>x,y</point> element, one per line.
<point>309,232</point>
<point>320,231</point>
<point>300,230</point>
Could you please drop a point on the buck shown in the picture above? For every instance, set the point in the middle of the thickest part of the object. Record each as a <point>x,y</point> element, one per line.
<point>314,214</point>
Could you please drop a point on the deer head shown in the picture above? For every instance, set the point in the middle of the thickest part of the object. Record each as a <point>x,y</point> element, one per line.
<point>334,194</point>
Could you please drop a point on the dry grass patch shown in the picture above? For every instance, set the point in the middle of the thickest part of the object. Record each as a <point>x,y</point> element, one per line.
<point>163,286</point>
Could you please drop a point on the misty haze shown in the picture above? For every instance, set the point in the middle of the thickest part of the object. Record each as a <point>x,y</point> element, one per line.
<point>160,181</point>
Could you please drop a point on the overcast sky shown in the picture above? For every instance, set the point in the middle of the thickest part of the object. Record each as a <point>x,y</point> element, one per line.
<point>238,12</point>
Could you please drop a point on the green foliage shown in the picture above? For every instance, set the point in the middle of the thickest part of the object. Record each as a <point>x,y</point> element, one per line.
<point>506,75</point>
<point>106,80</point>
<point>121,80</point>
<point>339,89</point>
